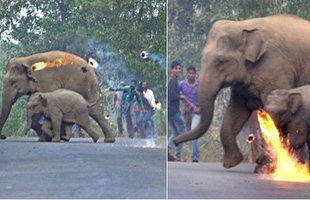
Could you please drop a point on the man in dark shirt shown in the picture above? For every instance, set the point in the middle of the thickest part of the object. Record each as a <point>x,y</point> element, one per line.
<point>128,102</point>
<point>175,119</point>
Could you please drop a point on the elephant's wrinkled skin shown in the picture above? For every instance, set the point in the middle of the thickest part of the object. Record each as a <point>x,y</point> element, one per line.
<point>76,75</point>
<point>57,106</point>
<point>290,109</point>
<point>253,57</point>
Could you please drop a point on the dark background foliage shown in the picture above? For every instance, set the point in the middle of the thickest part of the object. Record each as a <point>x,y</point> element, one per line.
<point>188,25</point>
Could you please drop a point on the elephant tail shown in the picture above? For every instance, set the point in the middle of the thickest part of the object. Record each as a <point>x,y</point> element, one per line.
<point>100,78</point>
<point>94,103</point>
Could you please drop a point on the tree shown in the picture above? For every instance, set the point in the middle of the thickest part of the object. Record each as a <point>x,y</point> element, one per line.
<point>114,32</point>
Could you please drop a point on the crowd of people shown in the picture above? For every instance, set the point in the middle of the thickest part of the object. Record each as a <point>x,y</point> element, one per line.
<point>137,103</point>
<point>187,92</point>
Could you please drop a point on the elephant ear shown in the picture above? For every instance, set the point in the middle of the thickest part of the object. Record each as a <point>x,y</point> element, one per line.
<point>255,45</point>
<point>29,73</point>
<point>43,100</point>
<point>295,102</point>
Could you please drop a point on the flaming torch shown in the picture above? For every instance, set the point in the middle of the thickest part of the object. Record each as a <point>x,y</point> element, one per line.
<point>158,105</point>
<point>144,55</point>
<point>287,167</point>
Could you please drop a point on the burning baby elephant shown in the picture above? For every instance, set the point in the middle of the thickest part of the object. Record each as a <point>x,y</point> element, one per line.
<point>290,110</point>
<point>60,106</point>
<point>46,72</point>
<point>253,57</point>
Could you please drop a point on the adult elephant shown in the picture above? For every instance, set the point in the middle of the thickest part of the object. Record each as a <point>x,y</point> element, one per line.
<point>253,57</point>
<point>46,72</point>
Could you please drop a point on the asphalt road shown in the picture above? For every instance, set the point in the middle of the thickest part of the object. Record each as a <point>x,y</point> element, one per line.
<point>212,181</point>
<point>129,168</point>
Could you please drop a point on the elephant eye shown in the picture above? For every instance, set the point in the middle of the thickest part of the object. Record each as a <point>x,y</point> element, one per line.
<point>221,60</point>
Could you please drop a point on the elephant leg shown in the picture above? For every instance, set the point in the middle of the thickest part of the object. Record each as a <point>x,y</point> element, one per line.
<point>297,137</point>
<point>96,114</point>
<point>56,124</point>
<point>37,127</point>
<point>67,132</point>
<point>47,128</point>
<point>235,117</point>
<point>84,124</point>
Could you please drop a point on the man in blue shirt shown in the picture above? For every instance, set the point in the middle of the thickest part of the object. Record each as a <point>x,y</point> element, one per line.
<point>189,88</point>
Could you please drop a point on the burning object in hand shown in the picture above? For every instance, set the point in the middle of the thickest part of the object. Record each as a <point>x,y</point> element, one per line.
<point>287,167</point>
<point>158,105</point>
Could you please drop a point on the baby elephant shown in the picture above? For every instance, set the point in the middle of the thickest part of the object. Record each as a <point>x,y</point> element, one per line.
<point>290,109</point>
<point>60,106</point>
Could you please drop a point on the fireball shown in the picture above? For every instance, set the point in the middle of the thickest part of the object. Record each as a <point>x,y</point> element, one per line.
<point>58,62</point>
<point>287,167</point>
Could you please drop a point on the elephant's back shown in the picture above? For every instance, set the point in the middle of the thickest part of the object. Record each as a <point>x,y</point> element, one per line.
<point>62,70</point>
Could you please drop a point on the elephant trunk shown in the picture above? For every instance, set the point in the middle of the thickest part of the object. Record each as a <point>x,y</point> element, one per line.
<point>206,110</point>
<point>207,92</point>
<point>8,99</point>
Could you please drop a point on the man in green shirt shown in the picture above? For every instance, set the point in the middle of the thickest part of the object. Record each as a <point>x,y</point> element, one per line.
<point>130,94</point>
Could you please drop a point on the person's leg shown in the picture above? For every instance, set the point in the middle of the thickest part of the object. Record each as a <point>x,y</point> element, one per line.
<point>195,143</point>
<point>129,122</point>
<point>173,129</point>
<point>152,124</point>
<point>120,122</point>
<point>180,127</point>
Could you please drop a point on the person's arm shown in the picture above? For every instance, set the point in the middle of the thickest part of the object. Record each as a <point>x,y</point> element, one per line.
<point>138,98</point>
<point>120,88</point>
<point>152,99</point>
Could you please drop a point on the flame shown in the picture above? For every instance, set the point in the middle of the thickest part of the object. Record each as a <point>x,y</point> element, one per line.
<point>58,62</point>
<point>287,167</point>
<point>158,106</point>
<point>107,116</point>
<point>251,138</point>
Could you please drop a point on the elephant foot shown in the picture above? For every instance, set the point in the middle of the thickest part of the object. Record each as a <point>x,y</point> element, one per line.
<point>56,140</point>
<point>65,139</point>
<point>109,140</point>
<point>2,137</point>
<point>95,138</point>
<point>232,159</point>
<point>44,138</point>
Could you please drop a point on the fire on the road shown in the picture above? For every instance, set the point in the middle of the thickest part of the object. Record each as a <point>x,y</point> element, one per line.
<point>58,62</point>
<point>287,168</point>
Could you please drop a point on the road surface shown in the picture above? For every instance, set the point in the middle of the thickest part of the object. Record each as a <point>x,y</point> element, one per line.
<point>129,168</point>
<point>212,181</point>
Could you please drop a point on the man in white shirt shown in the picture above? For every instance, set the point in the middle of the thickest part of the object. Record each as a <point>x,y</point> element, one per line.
<point>149,95</point>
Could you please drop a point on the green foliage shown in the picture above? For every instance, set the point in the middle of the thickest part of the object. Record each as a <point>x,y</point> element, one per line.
<point>125,27</point>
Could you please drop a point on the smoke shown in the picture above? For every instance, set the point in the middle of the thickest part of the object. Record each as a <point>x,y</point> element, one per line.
<point>159,59</point>
<point>110,64</point>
